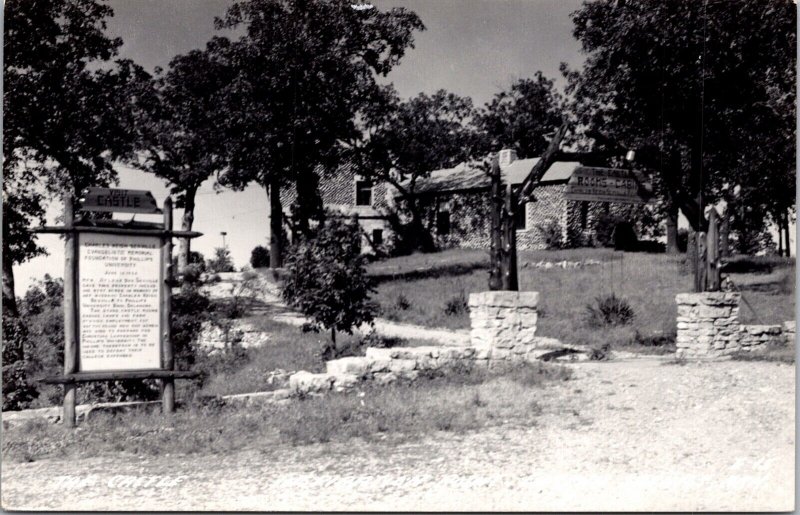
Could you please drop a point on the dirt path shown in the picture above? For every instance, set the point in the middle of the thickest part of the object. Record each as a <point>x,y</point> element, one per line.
<point>635,435</point>
<point>272,306</point>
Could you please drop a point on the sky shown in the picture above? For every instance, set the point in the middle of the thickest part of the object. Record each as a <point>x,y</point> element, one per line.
<point>470,47</point>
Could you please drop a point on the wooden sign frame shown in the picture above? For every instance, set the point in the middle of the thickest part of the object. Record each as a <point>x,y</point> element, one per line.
<point>165,373</point>
<point>633,189</point>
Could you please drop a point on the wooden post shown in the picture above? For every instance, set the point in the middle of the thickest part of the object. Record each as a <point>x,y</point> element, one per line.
<point>167,384</point>
<point>700,262</point>
<point>70,311</point>
<point>496,234</point>
<point>712,252</point>
<point>510,281</point>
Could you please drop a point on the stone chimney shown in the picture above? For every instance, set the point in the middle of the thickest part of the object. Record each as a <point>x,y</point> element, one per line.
<point>507,156</point>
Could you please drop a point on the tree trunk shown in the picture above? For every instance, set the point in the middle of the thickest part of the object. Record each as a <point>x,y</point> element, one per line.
<point>787,234</point>
<point>496,235</point>
<point>672,227</point>
<point>184,244</point>
<point>9,298</point>
<point>275,225</point>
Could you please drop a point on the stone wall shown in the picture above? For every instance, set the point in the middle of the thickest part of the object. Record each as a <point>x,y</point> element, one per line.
<point>708,326</point>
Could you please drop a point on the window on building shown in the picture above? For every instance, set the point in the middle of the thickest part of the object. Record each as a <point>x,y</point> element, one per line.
<point>584,214</point>
<point>443,223</point>
<point>363,193</point>
<point>520,213</point>
<point>377,237</point>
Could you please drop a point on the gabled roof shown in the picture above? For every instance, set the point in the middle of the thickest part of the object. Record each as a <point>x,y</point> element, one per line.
<point>462,177</point>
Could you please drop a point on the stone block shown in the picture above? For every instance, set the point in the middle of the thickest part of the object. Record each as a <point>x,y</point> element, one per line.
<point>306,382</point>
<point>385,378</point>
<point>352,365</point>
<point>379,354</point>
<point>379,365</point>
<point>501,354</point>
<point>504,299</point>
<point>345,382</point>
<point>402,365</point>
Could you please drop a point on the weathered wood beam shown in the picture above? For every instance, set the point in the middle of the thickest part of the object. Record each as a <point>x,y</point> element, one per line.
<point>542,165</point>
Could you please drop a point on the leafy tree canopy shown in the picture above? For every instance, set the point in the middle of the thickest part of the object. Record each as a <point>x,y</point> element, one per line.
<point>522,116</point>
<point>304,69</point>
<point>705,91</point>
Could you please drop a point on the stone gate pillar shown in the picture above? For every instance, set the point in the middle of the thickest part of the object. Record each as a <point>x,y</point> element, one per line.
<point>503,322</point>
<point>708,323</point>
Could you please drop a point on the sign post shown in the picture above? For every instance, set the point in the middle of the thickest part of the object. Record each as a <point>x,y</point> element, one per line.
<point>117,291</point>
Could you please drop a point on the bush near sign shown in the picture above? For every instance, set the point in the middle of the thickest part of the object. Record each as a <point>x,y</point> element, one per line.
<point>608,185</point>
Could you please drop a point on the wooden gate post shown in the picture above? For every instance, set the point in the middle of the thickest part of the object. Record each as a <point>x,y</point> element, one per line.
<point>496,229</point>
<point>70,311</point>
<point>712,252</point>
<point>510,280</point>
<point>167,383</point>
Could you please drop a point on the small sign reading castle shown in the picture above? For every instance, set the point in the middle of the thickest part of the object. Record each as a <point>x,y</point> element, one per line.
<point>118,200</point>
<point>607,185</point>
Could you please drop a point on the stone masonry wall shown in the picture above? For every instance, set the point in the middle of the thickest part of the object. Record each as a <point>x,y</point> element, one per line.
<point>708,326</point>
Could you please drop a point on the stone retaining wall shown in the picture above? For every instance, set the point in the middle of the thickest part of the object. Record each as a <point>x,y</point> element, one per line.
<point>708,326</point>
<point>388,365</point>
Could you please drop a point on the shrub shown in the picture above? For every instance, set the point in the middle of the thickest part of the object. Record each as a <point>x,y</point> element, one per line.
<point>259,257</point>
<point>604,229</point>
<point>456,305</point>
<point>401,302</point>
<point>551,233</point>
<point>326,279</point>
<point>609,310</point>
<point>374,339</point>
<point>18,391</point>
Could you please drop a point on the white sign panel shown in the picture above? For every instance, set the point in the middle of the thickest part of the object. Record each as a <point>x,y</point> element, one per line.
<point>119,295</point>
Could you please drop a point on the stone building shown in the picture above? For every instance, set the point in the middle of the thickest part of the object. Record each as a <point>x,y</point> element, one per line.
<point>456,202</point>
<point>456,205</point>
<point>349,194</point>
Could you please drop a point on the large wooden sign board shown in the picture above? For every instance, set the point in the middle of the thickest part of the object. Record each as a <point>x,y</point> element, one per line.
<point>117,288</point>
<point>607,185</point>
<point>119,302</point>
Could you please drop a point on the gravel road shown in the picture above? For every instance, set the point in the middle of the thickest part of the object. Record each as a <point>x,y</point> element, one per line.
<point>631,435</point>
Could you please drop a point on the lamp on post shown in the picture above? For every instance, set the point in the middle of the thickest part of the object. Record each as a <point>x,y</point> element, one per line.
<point>223,233</point>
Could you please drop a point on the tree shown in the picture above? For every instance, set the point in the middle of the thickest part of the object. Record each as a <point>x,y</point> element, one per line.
<point>403,141</point>
<point>327,280</point>
<point>304,69</point>
<point>178,128</point>
<point>66,113</point>
<point>221,262</point>
<point>704,91</point>
<point>523,116</point>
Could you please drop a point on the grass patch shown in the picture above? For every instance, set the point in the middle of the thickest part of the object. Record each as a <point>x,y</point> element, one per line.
<point>290,349</point>
<point>464,401</point>
<point>770,353</point>
<point>649,282</point>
